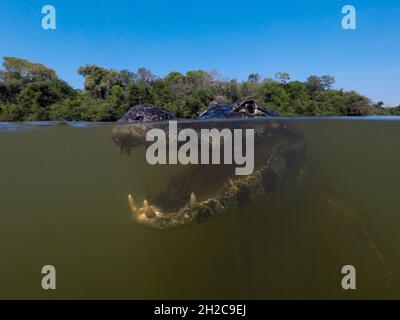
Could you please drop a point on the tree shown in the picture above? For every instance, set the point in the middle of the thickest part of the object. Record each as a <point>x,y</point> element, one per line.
<point>254,78</point>
<point>145,75</point>
<point>140,93</point>
<point>18,73</point>
<point>199,78</point>
<point>36,98</point>
<point>125,78</point>
<point>314,84</point>
<point>99,81</point>
<point>327,82</point>
<point>3,88</point>
<point>20,69</point>
<point>28,89</point>
<point>282,77</point>
<point>395,111</point>
<point>273,95</point>
<point>216,76</point>
<point>32,91</point>
<point>356,105</point>
<point>231,91</point>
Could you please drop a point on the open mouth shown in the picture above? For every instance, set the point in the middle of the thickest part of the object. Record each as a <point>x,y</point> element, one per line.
<point>201,191</point>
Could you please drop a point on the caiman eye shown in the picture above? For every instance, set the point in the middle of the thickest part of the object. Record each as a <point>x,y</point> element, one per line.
<point>250,107</point>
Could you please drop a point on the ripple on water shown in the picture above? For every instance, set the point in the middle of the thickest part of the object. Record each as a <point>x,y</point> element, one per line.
<point>10,127</point>
<point>35,125</point>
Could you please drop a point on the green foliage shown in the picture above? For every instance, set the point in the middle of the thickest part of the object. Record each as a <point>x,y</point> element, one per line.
<point>20,69</point>
<point>98,81</point>
<point>11,112</point>
<point>27,90</point>
<point>395,111</point>
<point>282,77</point>
<point>32,91</point>
<point>254,78</point>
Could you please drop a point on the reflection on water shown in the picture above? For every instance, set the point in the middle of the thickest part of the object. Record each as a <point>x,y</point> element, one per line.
<point>63,202</point>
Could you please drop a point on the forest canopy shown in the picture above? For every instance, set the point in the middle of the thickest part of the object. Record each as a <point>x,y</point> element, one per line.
<point>32,91</point>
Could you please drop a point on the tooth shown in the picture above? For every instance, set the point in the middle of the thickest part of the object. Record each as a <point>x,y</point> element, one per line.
<point>132,203</point>
<point>193,200</point>
<point>148,210</point>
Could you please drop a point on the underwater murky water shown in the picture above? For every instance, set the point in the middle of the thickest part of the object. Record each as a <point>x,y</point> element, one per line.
<point>63,202</point>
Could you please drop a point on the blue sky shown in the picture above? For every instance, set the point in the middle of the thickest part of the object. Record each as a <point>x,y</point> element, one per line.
<point>234,37</point>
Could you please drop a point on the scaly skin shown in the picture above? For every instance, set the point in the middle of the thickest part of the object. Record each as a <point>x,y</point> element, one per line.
<point>279,152</point>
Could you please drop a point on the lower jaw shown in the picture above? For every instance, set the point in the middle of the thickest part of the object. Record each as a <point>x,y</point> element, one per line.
<point>234,193</point>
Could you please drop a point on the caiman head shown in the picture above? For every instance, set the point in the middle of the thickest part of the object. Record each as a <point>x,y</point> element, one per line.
<point>202,191</point>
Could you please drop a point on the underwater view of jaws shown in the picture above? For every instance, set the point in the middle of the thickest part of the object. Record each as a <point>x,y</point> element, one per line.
<point>329,199</point>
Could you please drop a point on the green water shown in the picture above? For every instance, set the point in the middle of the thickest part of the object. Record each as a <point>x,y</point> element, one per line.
<point>63,202</point>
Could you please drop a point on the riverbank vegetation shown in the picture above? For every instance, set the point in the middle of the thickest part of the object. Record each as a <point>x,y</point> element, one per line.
<point>32,91</point>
